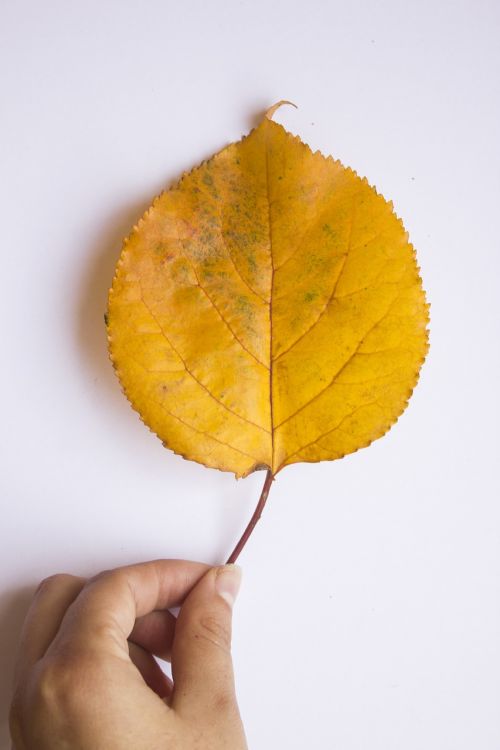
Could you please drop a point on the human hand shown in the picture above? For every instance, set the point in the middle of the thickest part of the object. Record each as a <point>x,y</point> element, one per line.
<point>86,678</point>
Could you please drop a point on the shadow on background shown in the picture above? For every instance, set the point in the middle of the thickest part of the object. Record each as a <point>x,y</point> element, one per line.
<point>93,301</point>
<point>13,607</point>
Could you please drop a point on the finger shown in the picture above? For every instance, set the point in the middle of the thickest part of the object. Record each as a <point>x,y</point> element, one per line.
<point>151,671</point>
<point>155,633</point>
<point>50,603</point>
<point>201,658</point>
<point>103,615</point>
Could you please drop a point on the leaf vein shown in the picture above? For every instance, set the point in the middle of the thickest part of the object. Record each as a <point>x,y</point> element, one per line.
<point>332,295</point>
<point>328,432</point>
<point>206,433</point>
<point>202,288</point>
<point>230,256</point>
<point>271,376</point>
<point>202,385</point>
<point>335,376</point>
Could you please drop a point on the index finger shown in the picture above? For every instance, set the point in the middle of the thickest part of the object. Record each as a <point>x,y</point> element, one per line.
<point>105,611</point>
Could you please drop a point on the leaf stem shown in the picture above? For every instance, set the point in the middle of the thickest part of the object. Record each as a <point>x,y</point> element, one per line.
<point>253,521</point>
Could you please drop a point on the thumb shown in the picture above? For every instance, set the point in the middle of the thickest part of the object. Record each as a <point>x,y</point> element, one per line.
<point>201,652</point>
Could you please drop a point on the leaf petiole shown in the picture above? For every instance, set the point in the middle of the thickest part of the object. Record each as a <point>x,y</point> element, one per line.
<point>253,521</point>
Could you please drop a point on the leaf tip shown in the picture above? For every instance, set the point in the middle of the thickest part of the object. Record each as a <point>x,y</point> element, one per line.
<point>270,112</point>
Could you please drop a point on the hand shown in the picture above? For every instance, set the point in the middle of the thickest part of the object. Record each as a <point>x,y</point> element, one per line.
<point>86,677</point>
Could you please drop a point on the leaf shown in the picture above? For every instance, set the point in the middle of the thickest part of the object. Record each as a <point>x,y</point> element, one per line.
<point>268,309</point>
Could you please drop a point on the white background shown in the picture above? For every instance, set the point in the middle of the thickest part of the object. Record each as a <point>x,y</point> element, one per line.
<point>369,617</point>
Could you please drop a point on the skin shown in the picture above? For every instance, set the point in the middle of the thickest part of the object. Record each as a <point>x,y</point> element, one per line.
<point>86,677</point>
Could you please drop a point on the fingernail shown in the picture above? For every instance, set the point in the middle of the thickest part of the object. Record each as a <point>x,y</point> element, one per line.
<point>227,582</point>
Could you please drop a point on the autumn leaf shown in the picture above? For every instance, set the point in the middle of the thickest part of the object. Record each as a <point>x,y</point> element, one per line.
<point>268,309</point>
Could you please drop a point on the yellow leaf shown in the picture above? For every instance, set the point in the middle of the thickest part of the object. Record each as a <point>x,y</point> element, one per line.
<point>268,309</point>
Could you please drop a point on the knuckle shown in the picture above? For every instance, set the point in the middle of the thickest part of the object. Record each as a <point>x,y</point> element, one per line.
<point>48,680</point>
<point>114,577</point>
<point>215,630</point>
<point>54,582</point>
<point>59,681</point>
<point>103,575</point>
<point>57,691</point>
<point>53,677</point>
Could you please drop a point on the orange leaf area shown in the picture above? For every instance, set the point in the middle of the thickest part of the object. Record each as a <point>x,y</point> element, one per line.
<point>268,309</point>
